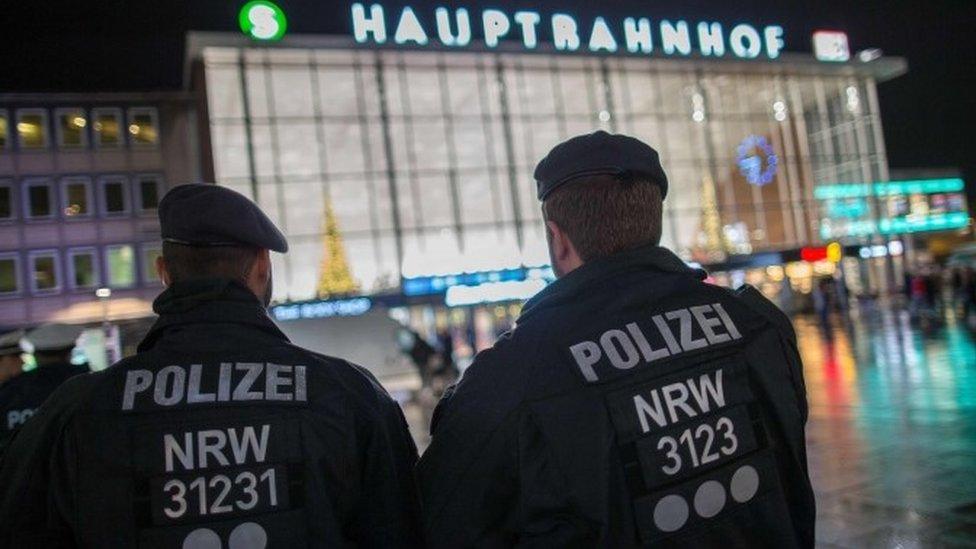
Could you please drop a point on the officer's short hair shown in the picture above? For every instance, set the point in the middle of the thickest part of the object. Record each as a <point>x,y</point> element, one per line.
<point>603,215</point>
<point>188,262</point>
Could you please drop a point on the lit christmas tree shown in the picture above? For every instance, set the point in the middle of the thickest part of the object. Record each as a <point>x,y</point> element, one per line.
<point>711,220</point>
<point>334,276</point>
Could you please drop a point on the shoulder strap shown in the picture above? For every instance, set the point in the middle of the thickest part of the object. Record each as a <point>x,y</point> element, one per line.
<point>753,298</point>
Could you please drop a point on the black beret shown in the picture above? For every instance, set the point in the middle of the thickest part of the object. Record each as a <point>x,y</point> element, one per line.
<point>599,153</point>
<point>211,215</point>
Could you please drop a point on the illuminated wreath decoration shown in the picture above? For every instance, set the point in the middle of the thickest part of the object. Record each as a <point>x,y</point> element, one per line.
<point>757,160</point>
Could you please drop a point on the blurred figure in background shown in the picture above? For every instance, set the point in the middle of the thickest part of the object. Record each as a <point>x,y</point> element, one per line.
<point>969,297</point>
<point>11,364</point>
<point>822,303</point>
<point>21,396</point>
<point>445,348</point>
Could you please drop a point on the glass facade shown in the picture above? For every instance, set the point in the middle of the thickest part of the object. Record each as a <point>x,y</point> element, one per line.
<point>422,162</point>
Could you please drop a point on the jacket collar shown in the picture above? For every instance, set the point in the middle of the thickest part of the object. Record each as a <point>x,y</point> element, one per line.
<point>571,285</point>
<point>208,301</point>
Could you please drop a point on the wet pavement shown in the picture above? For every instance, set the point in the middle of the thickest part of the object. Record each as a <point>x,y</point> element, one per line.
<point>892,430</point>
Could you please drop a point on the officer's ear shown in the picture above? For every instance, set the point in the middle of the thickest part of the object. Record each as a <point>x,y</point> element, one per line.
<point>562,252</point>
<point>161,271</point>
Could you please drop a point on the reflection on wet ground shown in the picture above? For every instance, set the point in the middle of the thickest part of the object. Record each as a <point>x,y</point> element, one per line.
<point>892,430</point>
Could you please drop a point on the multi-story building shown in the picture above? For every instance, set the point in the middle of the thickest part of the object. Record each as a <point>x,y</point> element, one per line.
<point>80,178</point>
<point>398,160</point>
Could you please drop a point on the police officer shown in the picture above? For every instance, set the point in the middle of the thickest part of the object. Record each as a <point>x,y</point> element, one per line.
<point>22,395</point>
<point>218,433</point>
<point>11,363</point>
<point>633,404</point>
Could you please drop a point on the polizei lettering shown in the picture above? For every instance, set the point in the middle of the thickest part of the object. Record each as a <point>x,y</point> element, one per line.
<point>648,340</point>
<point>230,382</point>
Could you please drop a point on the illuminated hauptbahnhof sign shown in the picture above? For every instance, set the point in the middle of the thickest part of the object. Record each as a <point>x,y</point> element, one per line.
<point>397,156</point>
<point>638,35</point>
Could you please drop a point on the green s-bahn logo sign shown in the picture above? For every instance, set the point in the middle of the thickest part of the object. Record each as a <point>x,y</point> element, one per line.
<point>262,20</point>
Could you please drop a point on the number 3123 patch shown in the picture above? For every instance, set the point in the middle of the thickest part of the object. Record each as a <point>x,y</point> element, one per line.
<point>685,424</point>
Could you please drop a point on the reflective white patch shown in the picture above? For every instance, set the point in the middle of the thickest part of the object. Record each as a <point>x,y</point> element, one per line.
<point>202,538</point>
<point>745,483</point>
<point>249,535</point>
<point>709,499</point>
<point>670,513</point>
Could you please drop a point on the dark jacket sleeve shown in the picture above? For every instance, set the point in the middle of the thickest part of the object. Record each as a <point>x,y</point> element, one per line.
<point>469,474</point>
<point>36,468</point>
<point>388,513</point>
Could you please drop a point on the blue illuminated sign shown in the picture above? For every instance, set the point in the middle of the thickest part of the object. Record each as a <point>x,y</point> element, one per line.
<point>432,285</point>
<point>453,28</point>
<point>757,160</point>
<point>322,308</point>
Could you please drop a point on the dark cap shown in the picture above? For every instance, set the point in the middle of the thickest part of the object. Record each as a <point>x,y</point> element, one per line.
<point>211,215</point>
<point>10,343</point>
<point>599,153</point>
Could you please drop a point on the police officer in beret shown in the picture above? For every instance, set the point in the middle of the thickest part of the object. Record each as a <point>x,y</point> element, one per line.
<point>20,397</point>
<point>633,404</point>
<point>11,363</point>
<point>218,433</point>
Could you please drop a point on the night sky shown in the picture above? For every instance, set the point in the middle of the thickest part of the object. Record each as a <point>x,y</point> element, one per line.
<point>112,45</point>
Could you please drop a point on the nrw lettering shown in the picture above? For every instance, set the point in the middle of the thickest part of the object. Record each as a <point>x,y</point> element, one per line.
<point>670,404</point>
<point>209,447</point>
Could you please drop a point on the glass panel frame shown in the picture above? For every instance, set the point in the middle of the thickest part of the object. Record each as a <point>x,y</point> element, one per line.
<point>147,256</point>
<point>27,199</point>
<point>5,141</point>
<point>103,184</point>
<point>92,254</point>
<point>66,206</point>
<point>45,129</point>
<point>108,113</point>
<point>14,258</point>
<point>134,127</point>
<point>7,186</point>
<point>36,256</point>
<point>67,120</point>
<point>137,191</point>
<point>129,278</point>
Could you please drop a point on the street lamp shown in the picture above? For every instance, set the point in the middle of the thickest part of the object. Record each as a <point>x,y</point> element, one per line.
<point>103,294</point>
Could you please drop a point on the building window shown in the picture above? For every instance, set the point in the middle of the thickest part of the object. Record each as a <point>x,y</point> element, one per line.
<point>4,131</point>
<point>148,191</point>
<point>120,266</point>
<point>84,268</point>
<point>6,200</point>
<point>32,128</point>
<point>76,197</point>
<point>108,127</point>
<point>144,126</point>
<point>149,254</point>
<point>39,199</point>
<point>115,196</point>
<point>72,128</point>
<point>44,271</point>
<point>9,274</point>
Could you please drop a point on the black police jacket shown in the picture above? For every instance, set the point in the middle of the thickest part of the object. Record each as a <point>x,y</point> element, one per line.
<point>218,433</point>
<point>632,405</point>
<point>21,396</point>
